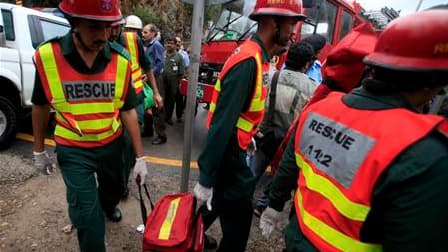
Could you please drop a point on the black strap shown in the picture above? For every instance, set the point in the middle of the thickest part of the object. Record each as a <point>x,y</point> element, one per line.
<point>272,97</point>
<point>142,202</point>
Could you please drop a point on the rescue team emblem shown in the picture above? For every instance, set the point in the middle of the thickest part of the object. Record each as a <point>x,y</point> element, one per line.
<point>89,91</point>
<point>106,5</point>
<point>329,144</point>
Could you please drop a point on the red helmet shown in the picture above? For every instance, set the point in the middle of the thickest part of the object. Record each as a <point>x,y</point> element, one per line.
<point>416,42</point>
<point>101,10</point>
<point>286,8</point>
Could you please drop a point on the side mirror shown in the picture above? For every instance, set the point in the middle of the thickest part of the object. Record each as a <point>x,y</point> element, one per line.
<point>308,3</point>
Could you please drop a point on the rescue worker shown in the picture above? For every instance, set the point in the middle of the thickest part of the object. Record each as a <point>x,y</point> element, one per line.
<point>141,71</point>
<point>134,24</point>
<point>87,82</point>
<point>369,168</point>
<point>236,110</point>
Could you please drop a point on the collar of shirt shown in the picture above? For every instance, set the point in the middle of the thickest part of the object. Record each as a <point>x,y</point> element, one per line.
<point>363,99</point>
<point>257,39</point>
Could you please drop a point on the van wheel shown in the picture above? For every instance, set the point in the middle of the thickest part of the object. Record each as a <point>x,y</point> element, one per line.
<point>8,123</point>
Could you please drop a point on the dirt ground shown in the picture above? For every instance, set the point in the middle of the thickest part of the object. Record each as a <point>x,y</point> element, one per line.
<point>33,211</point>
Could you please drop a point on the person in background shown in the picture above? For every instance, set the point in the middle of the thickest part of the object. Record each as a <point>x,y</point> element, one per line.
<point>180,99</point>
<point>183,53</point>
<point>87,82</point>
<point>155,53</point>
<point>314,71</point>
<point>369,167</point>
<point>172,74</point>
<point>290,90</point>
<point>226,184</point>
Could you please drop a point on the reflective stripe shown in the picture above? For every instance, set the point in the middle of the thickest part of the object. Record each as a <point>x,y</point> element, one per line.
<point>212,107</point>
<point>165,229</point>
<point>120,81</point>
<point>326,188</point>
<point>244,124</point>
<point>331,235</point>
<point>218,85</point>
<point>136,69</point>
<point>257,104</point>
<point>51,72</point>
<point>69,134</point>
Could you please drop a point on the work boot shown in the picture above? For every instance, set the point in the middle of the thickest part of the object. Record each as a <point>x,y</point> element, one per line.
<point>210,242</point>
<point>114,215</point>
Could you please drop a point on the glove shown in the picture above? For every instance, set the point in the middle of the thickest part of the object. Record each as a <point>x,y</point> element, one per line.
<point>43,163</point>
<point>204,195</point>
<point>268,221</point>
<point>140,170</point>
<point>252,148</point>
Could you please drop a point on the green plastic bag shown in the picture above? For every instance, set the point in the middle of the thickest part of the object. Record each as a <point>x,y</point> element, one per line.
<point>149,100</point>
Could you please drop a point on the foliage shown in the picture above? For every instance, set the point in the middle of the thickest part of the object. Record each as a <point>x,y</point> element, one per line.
<point>147,15</point>
<point>212,13</point>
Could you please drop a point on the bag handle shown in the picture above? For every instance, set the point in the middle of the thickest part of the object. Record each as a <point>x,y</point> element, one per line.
<point>142,202</point>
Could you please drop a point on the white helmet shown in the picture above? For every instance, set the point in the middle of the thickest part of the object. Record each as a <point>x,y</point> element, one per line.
<point>132,21</point>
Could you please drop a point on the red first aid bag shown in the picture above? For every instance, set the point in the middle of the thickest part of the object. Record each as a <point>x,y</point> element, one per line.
<point>174,225</point>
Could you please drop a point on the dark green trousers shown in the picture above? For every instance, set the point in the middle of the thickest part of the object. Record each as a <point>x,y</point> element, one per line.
<point>87,196</point>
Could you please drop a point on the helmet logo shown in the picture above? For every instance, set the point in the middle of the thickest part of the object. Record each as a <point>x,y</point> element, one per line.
<point>440,48</point>
<point>280,2</point>
<point>106,5</point>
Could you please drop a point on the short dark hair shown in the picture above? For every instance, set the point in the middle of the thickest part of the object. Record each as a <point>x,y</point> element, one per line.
<point>317,41</point>
<point>171,38</point>
<point>299,54</point>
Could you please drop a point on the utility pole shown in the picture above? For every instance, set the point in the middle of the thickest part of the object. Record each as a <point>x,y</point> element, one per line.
<point>196,43</point>
<point>196,39</point>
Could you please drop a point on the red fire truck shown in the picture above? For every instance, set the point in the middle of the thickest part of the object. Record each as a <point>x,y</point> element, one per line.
<point>332,19</point>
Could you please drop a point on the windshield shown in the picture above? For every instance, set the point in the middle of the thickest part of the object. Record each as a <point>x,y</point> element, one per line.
<point>231,26</point>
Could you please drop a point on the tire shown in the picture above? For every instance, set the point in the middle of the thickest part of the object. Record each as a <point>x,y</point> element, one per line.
<point>8,123</point>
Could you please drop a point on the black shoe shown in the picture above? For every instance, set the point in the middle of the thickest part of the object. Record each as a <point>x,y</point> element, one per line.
<point>210,242</point>
<point>114,215</point>
<point>159,140</point>
<point>169,122</point>
<point>179,120</point>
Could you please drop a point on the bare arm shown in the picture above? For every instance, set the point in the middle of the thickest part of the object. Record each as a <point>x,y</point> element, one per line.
<point>40,114</point>
<point>129,118</point>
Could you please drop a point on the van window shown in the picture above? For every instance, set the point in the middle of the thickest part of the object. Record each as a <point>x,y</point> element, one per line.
<point>324,14</point>
<point>346,24</point>
<point>8,25</point>
<point>51,30</point>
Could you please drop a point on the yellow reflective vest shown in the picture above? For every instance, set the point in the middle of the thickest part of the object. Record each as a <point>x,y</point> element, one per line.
<point>87,106</point>
<point>249,120</point>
